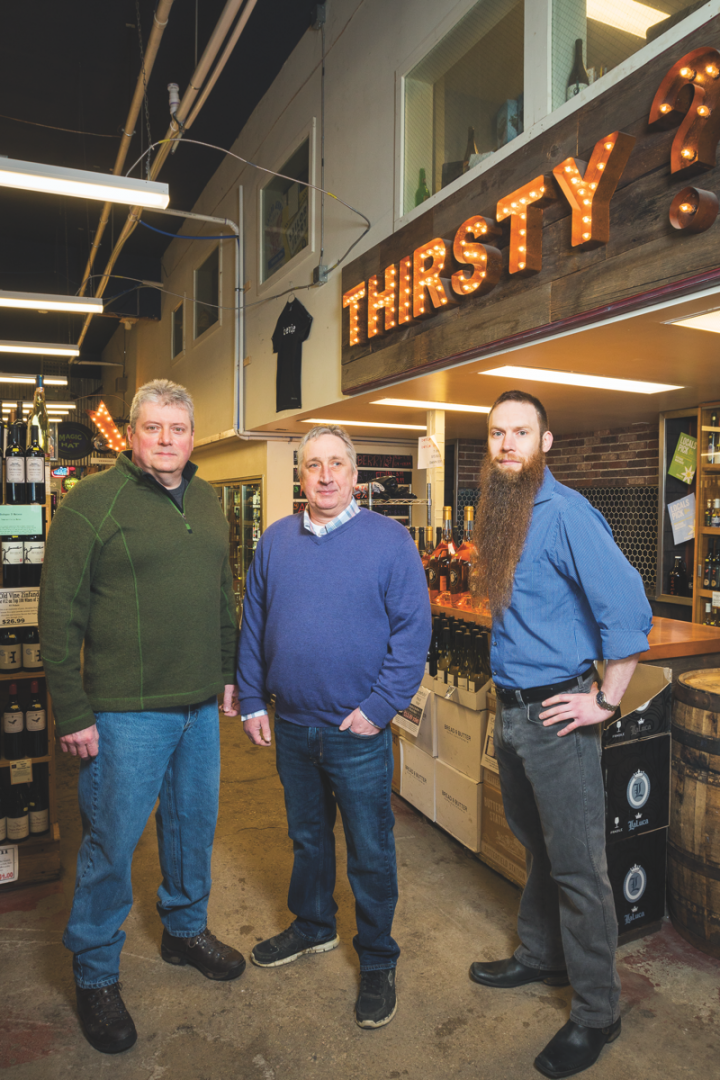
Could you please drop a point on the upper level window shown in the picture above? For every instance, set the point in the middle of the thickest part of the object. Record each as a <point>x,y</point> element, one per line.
<point>207,293</point>
<point>176,333</point>
<point>284,210</point>
<point>464,99</point>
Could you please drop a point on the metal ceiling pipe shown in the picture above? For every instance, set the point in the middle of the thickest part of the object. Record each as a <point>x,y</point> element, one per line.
<point>160,21</point>
<point>206,60</point>
<point>247,12</point>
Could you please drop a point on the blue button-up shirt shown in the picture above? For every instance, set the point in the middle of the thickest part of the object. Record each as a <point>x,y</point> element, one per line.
<point>575,599</point>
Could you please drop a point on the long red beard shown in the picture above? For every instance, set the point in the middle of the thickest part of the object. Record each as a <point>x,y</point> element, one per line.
<point>501,528</point>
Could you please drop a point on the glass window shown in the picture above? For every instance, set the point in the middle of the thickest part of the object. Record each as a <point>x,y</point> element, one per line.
<point>464,100</point>
<point>285,213</point>
<point>591,37</point>
<point>207,293</point>
<point>177,331</point>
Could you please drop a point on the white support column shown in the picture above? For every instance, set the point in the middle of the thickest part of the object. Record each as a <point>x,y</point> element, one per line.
<point>436,477</point>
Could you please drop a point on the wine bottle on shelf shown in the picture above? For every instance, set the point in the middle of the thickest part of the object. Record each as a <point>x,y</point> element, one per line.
<point>35,469</point>
<point>36,735</point>
<point>12,562</point>
<point>33,557</point>
<point>712,443</point>
<point>421,542</point>
<point>578,78</point>
<point>38,415</point>
<point>708,614</point>
<point>445,658</point>
<point>15,468</point>
<point>3,816</point>
<point>465,660</point>
<point>10,651</point>
<point>708,513</point>
<point>714,567</point>
<point>470,149</point>
<point>31,659</point>
<point>13,727</point>
<point>707,566</point>
<point>432,656</point>
<point>38,803</point>
<point>18,814</point>
<point>422,192</point>
<point>716,514</point>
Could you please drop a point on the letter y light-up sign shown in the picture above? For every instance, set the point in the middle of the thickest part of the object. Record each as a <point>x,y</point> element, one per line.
<point>589,188</point>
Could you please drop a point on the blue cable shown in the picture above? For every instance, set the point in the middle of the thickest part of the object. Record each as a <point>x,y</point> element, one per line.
<point>178,236</point>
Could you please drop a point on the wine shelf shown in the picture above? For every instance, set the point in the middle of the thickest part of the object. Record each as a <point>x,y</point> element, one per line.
<point>17,676</point>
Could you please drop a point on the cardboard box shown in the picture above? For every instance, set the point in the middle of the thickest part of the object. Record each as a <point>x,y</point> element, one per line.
<point>499,848</point>
<point>422,734</point>
<point>646,706</point>
<point>460,737</point>
<point>637,875</point>
<point>417,778</point>
<point>458,805</point>
<point>395,785</point>
<point>636,776</point>
<point>470,700</point>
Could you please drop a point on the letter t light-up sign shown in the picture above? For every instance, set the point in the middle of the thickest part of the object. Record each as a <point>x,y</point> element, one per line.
<point>589,191</point>
<point>525,207</point>
<point>351,299</point>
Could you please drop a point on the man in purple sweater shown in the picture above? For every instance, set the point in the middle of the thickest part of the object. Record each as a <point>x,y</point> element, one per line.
<point>336,624</point>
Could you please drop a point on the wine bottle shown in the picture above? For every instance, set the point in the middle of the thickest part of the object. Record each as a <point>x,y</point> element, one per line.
<point>13,726</point>
<point>712,450</point>
<point>33,557</point>
<point>578,78</point>
<point>12,561</point>
<point>423,192</point>
<point>38,803</point>
<point>465,660</point>
<point>453,667</point>
<point>445,658</point>
<point>10,651</point>
<point>31,659</point>
<point>38,415</point>
<point>708,614</point>
<point>34,469</point>
<point>432,656</point>
<point>18,815</point>
<point>707,567</point>
<point>714,568</point>
<point>3,815</point>
<point>36,736</point>
<point>421,543</point>
<point>15,468</point>
<point>470,149</point>
<point>674,578</point>
<point>708,513</point>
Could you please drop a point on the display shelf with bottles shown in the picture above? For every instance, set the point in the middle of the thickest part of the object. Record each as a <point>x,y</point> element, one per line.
<point>675,561</point>
<point>242,504</point>
<point>706,567</point>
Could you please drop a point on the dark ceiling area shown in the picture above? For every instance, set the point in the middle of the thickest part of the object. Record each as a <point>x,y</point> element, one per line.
<point>69,72</point>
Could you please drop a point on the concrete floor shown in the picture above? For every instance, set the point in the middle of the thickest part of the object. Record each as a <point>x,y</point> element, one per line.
<point>296,1022</point>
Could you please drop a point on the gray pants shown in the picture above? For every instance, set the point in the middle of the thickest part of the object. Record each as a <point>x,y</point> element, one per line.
<point>555,805</point>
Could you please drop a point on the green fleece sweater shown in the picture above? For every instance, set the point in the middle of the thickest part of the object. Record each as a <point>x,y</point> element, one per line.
<point>147,588</point>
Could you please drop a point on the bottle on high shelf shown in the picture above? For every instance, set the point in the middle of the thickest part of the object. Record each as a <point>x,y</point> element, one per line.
<point>38,415</point>
<point>423,192</point>
<point>18,816</point>
<point>470,150</point>
<point>34,468</point>
<point>3,815</point>
<point>13,726</point>
<point>578,79</point>
<point>12,561</point>
<point>15,461</point>
<point>33,558</point>
<point>10,651</point>
<point>38,805</point>
<point>708,513</point>
<point>31,659</point>
<point>36,734</point>
<point>715,522</point>
<point>712,443</point>
<point>708,564</point>
<point>714,567</point>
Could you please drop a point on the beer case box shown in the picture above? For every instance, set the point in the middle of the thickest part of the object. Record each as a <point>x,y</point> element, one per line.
<point>636,776</point>
<point>424,735</point>
<point>458,805</point>
<point>469,699</point>
<point>499,847</point>
<point>637,876</point>
<point>395,785</point>
<point>460,737</point>
<point>417,778</point>
<point>646,706</point>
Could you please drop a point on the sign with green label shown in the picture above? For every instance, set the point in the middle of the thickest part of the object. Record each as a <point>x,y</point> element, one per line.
<point>684,462</point>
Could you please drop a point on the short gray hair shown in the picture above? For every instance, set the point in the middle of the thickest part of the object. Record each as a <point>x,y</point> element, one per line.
<point>166,393</point>
<point>322,429</point>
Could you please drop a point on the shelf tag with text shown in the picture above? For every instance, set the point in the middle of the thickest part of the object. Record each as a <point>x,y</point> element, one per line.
<point>21,771</point>
<point>411,718</point>
<point>429,456</point>
<point>19,607</point>
<point>8,864</point>
<point>682,519</point>
<point>684,462</point>
<point>20,520</point>
<point>715,598</point>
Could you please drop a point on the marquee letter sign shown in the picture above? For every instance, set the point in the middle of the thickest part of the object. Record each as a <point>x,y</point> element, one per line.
<point>590,188</point>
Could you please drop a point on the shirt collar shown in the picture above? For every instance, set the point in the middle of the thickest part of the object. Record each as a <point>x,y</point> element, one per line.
<point>321,530</point>
<point>547,488</point>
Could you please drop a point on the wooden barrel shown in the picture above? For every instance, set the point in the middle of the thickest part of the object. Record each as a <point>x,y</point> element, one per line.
<point>694,840</point>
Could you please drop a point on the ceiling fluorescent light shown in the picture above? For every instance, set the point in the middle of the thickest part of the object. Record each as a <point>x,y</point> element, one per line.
<point>39,348</point>
<point>447,406</point>
<point>29,380</point>
<point>572,378</point>
<point>56,180</point>
<point>364,423</point>
<point>706,320</point>
<point>50,302</point>
<point>625,15</point>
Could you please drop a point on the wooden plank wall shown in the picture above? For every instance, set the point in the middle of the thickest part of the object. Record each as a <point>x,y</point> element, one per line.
<point>644,252</point>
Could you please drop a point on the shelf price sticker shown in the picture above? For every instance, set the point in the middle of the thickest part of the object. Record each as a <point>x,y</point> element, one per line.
<point>23,520</point>
<point>411,718</point>
<point>19,607</point>
<point>8,864</point>
<point>21,771</point>
<point>715,599</point>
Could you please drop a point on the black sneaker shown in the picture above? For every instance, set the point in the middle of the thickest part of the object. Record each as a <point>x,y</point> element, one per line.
<point>288,946</point>
<point>377,1003</point>
<point>105,1021</point>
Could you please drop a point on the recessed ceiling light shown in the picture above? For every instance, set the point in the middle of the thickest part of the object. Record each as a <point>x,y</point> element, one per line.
<point>627,15</point>
<point>364,423</point>
<point>44,302</point>
<point>705,320</point>
<point>39,348</point>
<point>447,406</point>
<point>572,378</point>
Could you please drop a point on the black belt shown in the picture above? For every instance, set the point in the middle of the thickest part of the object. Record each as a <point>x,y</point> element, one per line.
<point>533,694</point>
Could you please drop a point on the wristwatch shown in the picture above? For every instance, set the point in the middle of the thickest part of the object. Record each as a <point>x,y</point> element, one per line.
<point>604,703</point>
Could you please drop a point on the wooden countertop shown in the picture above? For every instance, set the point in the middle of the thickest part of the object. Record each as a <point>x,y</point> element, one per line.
<point>668,637</point>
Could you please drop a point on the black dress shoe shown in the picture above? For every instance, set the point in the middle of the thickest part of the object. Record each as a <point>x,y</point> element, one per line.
<point>574,1048</point>
<point>105,1021</point>
<point>508,973</point>
<point>204,952</point>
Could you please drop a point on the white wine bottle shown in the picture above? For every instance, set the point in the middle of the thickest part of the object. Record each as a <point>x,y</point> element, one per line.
<point>38,415</point>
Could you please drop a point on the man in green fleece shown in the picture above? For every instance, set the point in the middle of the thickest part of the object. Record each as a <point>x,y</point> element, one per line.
<point>137,569</point>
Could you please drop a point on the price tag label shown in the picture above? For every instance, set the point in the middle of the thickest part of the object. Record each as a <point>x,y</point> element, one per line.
<point>19,607</point>
<point>20,520</point>
<point>21,771</point>
<point>8,864</point>
<point>715,598</point>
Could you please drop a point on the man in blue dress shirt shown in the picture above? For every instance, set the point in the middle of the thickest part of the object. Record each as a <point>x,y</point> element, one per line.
<point>562,595</point>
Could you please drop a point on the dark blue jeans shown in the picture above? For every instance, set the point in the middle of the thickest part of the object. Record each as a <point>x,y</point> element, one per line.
<point>322,769</point>
<point>555,804</point>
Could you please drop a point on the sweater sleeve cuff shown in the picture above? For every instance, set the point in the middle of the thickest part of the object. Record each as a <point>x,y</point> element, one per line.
<point>377,710</point>
<point>252,705</point>
<point>77,723</point>
<point>619,644</point>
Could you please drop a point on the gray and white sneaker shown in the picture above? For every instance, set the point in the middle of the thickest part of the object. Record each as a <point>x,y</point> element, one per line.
<point>288,946</point>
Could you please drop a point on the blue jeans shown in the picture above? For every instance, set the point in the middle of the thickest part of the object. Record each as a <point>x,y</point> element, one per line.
<point>320,769</point>
<point>173,754</point>
<point>554,802</point>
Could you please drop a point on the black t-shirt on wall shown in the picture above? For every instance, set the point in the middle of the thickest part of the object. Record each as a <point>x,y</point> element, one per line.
<point>291,329</point>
